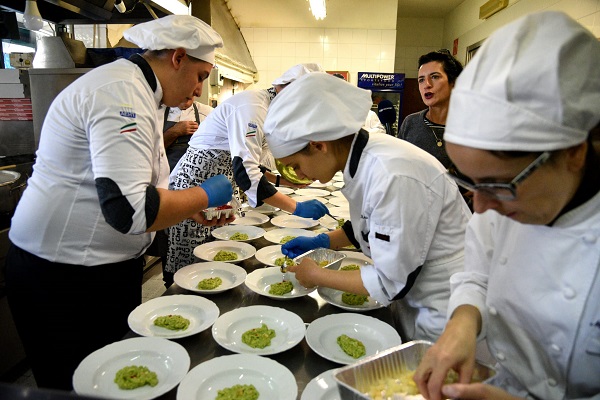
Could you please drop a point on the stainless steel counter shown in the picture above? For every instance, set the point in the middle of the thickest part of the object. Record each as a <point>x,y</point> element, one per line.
<point>300,360</point>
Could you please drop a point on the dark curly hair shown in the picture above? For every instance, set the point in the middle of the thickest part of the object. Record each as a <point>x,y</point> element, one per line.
<point>452,67</point>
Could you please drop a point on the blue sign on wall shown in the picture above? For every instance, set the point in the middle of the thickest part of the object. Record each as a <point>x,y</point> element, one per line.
<point>381,81</point>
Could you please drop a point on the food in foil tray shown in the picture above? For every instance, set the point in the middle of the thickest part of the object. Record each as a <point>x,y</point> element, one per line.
<point>217,212</point>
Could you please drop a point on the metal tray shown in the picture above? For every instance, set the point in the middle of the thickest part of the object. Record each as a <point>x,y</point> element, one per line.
<point>332,257</point>
<point>355,380</point>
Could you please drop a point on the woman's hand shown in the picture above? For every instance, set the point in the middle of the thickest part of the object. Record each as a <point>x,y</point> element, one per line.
<point>455,349</point>
<point>476,391</point>
<point>307,272</point>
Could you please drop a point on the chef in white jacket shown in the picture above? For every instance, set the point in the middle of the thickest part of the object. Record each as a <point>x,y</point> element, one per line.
<point>521,119</point>
<point>231,141</point>
<point>406,213</point>
<point>97,193</point>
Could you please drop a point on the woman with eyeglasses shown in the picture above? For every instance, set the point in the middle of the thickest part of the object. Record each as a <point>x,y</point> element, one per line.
<point>522,131</point>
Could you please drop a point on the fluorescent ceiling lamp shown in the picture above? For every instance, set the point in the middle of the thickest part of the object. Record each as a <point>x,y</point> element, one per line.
<point>318,8</point>
<point>173,6</point>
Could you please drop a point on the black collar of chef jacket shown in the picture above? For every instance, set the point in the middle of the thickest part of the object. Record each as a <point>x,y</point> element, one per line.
<point>146,70</point>
<point>362,138</point>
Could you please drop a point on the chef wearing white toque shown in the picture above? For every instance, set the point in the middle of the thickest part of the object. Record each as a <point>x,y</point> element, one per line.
<point>231,141</point>
<point>521,119</point>
<point>406,213</point>
<point>97,193</point>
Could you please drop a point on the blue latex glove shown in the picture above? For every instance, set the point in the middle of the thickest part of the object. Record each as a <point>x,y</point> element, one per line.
<point>218,190</point>
<point>302,244</point>
<point>310,209</point>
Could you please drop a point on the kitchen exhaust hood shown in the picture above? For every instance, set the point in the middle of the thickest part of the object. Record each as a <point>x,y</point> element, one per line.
<point>68,12</point>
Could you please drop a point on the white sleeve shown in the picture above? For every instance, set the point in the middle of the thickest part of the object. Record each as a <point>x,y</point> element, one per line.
<point>400,232</point>
<point>121,133</point>
<point>245,141</point>
<point>470,286</point>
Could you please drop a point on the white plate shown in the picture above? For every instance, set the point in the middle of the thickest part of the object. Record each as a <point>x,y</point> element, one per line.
<point>339,201</point>
<point>189,276</point>
<point>322,387</point>
<point>339,184</point>
<point>318,184</point>
<point>285,190</point>
<point>207,251</point>
<point>327,222</point>
<point>251,218</point>
<point>275,235</point>
<point>289,329</point>
<point>334,297</point>
<point>201,312</point>
<point>225,232</point>
<point>338,193</point>
<point>306,198</point>
<point>272,380</point>
<point>268,254</point>
<point>355,257</point>
<point>95,375</point>
<point>312,192</point>
<point>340,212</point>
<point>293,221</point>
<point>260,281</point>
<point>323,332</point>
<point>265,209</point>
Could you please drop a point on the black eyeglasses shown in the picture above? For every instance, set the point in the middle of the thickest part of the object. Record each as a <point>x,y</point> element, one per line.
<point>503,191</point>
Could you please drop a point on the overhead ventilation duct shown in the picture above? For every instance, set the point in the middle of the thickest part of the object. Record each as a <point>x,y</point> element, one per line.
<point>492,7</point>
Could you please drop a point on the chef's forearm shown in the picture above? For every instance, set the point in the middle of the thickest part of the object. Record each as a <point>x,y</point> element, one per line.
<point>282,201</point>
<point>170,136</point>
<point>177,205</point>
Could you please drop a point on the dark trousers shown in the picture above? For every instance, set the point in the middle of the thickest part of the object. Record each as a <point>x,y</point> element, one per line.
<point>64,312</point>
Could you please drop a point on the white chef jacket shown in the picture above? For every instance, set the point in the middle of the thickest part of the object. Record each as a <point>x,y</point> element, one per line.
<point>406,213</point>
<point>177,115</point>
<point>104,125</point>
<point>373,123</point>
<point>236,125</point>
<point>538,290</point>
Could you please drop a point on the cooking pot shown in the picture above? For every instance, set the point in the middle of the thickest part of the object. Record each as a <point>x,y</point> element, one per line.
<point>10,190</point>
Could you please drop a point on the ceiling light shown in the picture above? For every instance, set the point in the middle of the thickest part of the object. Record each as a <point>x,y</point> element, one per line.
<point>175,7</point>
<point>317,7</point>
<point>32,17</point>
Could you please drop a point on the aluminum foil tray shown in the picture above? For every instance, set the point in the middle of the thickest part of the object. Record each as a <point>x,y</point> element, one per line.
<point>333,258</point>
<point>355,380</point>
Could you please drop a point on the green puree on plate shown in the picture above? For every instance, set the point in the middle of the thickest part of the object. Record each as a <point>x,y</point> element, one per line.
<point>258,338</point>
<point>134,376</point>
<point>224,255</point>
<point>210,283</point>
<point>238,392</point>
<point>281,288</point>
<point>173,322</point>
<point>239,236</point>
<point>353,347</point>
<point>354,299</point>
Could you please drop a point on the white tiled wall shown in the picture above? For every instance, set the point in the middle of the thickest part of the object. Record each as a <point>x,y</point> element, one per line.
<point>274,50</point>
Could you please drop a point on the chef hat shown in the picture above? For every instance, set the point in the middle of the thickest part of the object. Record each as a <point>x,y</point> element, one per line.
<point>317,107</point>
<point>173,31</point>
<point>296,72</point>
<point>533,86</point>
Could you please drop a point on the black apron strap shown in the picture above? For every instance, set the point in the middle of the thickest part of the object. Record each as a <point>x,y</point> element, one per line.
<point>196,113</point>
